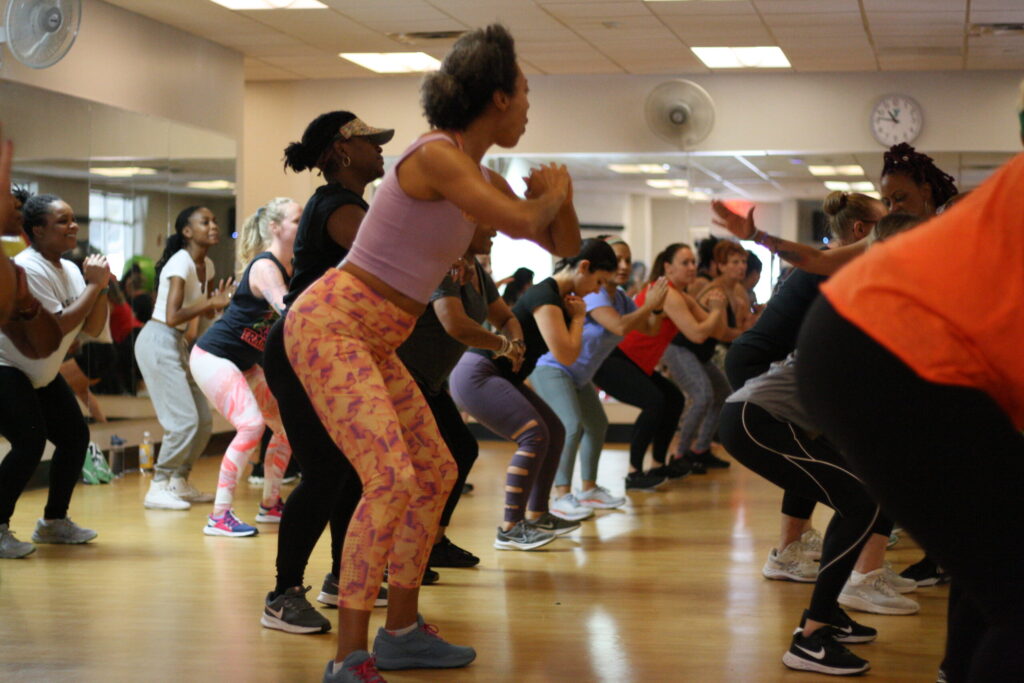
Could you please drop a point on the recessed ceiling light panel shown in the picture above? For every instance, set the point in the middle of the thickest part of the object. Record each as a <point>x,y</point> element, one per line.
<point>765,57</point>
<point>393,62</point>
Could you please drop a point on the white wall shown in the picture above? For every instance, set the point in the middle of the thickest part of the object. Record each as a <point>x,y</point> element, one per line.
<point>805,113</point>
<point>127,61</point>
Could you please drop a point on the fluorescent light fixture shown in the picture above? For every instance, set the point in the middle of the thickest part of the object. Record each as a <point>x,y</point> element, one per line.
<point>639,168</point>
<point>847,170</point>
<point>211,185</point>
<point>270,4</point>
<point>767,57</point>
<point>393,62</point>
<point>667,184</point>
<point>692,195</point>
<point>839,185</point>
<point>122,171</point>
<point>862,187</point>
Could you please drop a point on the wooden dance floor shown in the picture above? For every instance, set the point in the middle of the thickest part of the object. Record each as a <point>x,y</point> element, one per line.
<point>666,589</point>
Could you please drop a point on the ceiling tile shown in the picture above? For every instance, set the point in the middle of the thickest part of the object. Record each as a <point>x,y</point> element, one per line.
<point>596,10</point>
<point>805,6</point>
<point>918,63</point>
<point>697,8</point>
<point>915,5</point>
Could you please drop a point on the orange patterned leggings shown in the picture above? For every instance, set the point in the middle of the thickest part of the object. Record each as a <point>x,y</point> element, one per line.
<point>341,337</point>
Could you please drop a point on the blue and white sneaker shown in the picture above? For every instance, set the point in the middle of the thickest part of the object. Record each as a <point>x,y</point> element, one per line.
<point>228,525</point>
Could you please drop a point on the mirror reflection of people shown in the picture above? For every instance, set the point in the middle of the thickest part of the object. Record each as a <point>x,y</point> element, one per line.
<point>516,285</point>
<point>36,404</point>
<point>185,292</point>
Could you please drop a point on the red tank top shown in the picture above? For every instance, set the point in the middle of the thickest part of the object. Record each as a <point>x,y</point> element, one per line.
<point>645,350</point>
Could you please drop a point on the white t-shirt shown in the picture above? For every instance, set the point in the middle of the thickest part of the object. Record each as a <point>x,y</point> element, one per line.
<point>180,265</point>
<point>56,288</point>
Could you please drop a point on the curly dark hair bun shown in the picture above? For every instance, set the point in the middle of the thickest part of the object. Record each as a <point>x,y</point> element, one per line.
<point>480,62</point>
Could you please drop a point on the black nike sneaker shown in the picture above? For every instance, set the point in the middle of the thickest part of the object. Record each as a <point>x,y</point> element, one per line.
<point>846,629</point>
<point>820,653</point>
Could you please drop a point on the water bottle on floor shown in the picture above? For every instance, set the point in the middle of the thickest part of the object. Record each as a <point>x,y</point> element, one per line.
<point>146,454</point>
<point>117,455</point>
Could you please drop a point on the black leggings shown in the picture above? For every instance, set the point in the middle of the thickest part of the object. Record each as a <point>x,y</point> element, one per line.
<point>329,489</point>
<point>743,363</point>
<point>28,419</point>
<point>659,400</point>
<point>458,438</point>
<point>783,454</point>
<point>944,460</point>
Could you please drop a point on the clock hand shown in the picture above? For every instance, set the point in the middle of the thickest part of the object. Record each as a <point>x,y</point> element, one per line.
<point>893,116</point>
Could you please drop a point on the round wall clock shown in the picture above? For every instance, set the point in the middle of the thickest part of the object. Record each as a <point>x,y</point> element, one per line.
<point>896,119</point>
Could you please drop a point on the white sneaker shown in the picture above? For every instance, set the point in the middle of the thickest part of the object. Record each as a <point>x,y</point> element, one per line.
<point>10,547</point>
<point>812,543</point>
<point>181,487</point>
<point>160,497</point>
<point>61,531</point>
<point>900,583</point>
<point>871,592</point>
<point>792,564</point>
<point>599,498</point>
<point>568,508</point>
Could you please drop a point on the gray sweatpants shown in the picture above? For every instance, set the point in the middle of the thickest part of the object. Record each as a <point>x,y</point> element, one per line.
<point>583,416</point>
<point>162,355</point>
<point>706,389</point>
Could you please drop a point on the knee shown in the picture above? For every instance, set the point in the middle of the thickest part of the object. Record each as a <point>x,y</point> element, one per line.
<point>534,437</point>
<point>248,432</point>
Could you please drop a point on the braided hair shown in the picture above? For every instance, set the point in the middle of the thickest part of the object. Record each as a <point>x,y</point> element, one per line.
<point>920,168</point>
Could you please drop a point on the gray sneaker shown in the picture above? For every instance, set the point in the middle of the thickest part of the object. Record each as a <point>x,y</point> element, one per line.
<point>359,667</point>
<point>291,612</point>
<point>329,593</point>
<point>420,649</point>
<point>61,531</point>
<point>522,537</point>
<point>555,525</point>
<point>10,547</point>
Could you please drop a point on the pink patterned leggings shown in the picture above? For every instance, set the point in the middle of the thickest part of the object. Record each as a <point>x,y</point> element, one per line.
<point>245,401</point>
<point>340,337</point>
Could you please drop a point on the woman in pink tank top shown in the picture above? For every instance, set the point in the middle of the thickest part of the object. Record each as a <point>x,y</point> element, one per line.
<point>342,332</point>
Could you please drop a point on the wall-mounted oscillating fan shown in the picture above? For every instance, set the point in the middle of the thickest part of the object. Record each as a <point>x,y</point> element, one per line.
<point>681,112</point>
<point>40,32</point>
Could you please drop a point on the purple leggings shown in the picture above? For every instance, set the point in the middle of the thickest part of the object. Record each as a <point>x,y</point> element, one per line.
<point>514,412</point>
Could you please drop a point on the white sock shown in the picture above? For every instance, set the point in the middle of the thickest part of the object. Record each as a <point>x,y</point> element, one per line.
<point>403,631</point>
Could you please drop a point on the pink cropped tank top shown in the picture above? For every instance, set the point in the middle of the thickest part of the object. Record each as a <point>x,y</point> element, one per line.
<point>410,243</point>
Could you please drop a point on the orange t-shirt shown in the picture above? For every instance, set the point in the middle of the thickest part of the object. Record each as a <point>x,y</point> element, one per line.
<point>947,298</point>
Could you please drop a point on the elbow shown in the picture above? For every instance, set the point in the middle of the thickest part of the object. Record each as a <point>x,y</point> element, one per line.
<point>566,357</point>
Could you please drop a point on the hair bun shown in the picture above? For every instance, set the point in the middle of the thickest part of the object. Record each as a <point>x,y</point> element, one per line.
<point>835,202</point>
<point>296,157</point>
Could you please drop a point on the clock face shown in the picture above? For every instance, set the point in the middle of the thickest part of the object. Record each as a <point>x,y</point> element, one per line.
<point>896,119</point>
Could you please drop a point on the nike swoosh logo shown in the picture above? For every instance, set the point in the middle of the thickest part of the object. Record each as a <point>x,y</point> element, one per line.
<point>279,612</point>
<point>845,629</point>
<point>820,654</point>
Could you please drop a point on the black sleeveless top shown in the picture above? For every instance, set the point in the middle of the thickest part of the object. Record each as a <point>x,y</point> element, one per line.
<point>706,349</point>
<point>239,334</point>
<point>315,251</point>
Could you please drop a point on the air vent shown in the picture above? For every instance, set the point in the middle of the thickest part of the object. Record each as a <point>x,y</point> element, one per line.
<point>425,37</point>
<point>999,29</point>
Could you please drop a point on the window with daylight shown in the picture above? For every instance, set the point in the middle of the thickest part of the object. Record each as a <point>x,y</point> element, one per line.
<point>115,226</point>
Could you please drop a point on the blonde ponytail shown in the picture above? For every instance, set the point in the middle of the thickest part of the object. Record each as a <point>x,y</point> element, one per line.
<point>255,234</point>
